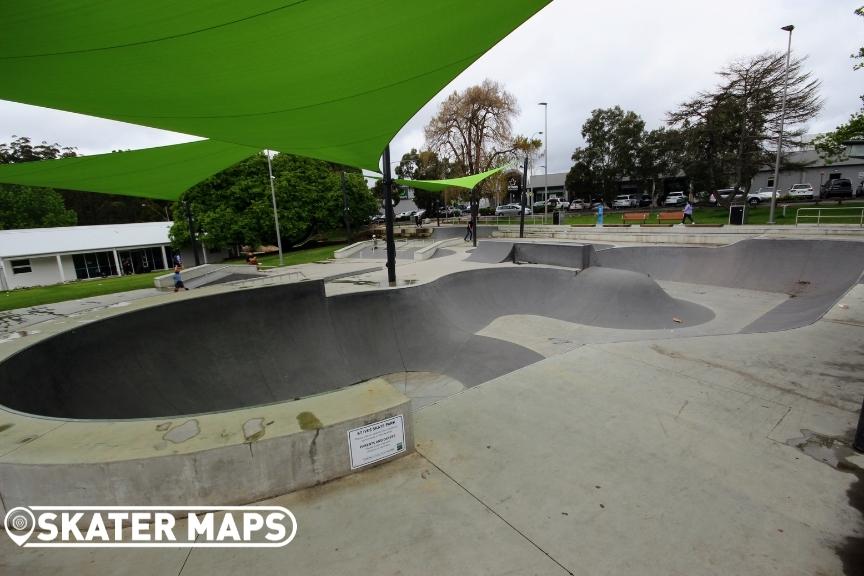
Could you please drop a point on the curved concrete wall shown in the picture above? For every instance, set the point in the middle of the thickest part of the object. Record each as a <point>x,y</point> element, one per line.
<point>278,343</point>
<point>816,273</point>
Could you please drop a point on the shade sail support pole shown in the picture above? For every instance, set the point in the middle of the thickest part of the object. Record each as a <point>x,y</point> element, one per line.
<point>388,217</point>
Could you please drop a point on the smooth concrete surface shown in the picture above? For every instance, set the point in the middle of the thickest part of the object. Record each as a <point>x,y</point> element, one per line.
<point>226,458</point>
<point>654,458</point>
<point>674,450</point>
<point>297,341</point>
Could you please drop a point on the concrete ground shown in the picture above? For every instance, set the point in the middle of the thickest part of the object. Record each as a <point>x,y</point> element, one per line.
<point>651,452</point>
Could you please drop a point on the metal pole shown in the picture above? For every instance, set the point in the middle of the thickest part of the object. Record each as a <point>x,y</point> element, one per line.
<point>782,119</point>
<point>475,206</point>
<point>523,197</point>
<point>545,159</point>
<point>275,212</point>
<point>388,217</point>
<point>345,207</point>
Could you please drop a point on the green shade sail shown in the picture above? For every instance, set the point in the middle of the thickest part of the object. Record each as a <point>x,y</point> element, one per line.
<point>163,173</point>
<point>328,79</point>
<point>468,182</point>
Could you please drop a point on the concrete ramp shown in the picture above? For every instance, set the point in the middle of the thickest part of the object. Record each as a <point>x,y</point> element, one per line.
<point>492,252</point>
<point>815,274</point>
<point>277,343</point>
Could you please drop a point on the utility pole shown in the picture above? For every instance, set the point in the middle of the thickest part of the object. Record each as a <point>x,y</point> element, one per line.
<point>789,29</point>
<point>275,211</point>
<point>523,196</point>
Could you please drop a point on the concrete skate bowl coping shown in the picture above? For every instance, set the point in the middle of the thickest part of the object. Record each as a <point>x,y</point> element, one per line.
<point>279,343</point>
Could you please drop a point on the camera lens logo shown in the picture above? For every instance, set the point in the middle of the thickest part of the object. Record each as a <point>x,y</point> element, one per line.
<point>19,523</point>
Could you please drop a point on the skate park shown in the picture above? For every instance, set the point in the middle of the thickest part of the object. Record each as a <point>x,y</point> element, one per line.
<point>710,342</point>
<point>574,398</point>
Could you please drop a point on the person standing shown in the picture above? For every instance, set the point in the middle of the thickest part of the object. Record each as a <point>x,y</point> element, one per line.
<point>469,235</point>
<point>178,280</point>
<point>688,213</point>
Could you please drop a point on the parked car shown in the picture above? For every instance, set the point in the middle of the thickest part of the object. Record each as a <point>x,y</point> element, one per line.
<point>801,191</point>
<point>577,205</point>
<point>644,200</point>
<point>449,212</point>
<point>836,187</point>
<point>379,219</point>
<point>510,210</point>
<point>860,190</point>
<point>760,195</point>
<point>723,193</point>
<point>626,201</point>
<point>675,199</point>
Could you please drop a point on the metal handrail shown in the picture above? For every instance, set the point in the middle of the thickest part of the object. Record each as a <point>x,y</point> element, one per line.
<point>819,217</point>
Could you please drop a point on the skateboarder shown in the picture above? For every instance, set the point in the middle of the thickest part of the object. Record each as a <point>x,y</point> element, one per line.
<point>178,281</point>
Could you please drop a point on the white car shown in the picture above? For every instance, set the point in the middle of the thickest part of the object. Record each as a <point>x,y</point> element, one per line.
<point>761,195</point>
<point>675,199</point>
<point>510,210</point>
<point>801,191</point>
<point>626,201</point>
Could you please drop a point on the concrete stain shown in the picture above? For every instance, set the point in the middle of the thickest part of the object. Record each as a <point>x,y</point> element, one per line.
<point>4,427</point>
<point>183,432</point>
<point>254,429</point>
<point>835,452</point>
<point>308,421</point>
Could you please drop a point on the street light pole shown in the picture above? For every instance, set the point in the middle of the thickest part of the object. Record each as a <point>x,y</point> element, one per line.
<point>789,29</point>
<point>545,159</point>
<point>275,213</point>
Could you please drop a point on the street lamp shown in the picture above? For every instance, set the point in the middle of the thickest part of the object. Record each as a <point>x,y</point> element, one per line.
<point>545,106</point>
<point>789,29</point>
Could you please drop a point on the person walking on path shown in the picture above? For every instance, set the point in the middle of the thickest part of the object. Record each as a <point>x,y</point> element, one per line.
<point>688,213</point>
<point>178,280</point>
<point>469,235</point>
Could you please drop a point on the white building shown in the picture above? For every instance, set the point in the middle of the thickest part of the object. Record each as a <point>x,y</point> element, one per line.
<point>43,256</point>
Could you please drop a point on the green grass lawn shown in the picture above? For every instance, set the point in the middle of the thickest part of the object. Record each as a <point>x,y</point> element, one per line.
<point>24,297</point>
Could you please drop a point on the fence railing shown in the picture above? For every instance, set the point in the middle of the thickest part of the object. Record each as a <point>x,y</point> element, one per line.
<point>819,216</point>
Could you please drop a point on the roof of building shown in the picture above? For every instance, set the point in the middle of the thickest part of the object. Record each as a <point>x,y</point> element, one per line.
<point>67,239</point>
<point>811,159</point>
<point>539,180</point>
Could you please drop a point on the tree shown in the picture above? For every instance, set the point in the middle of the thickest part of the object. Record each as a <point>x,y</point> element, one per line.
<point>424,165</point>
<point>474,128</point>
<point>730,132</point>
<point>831,145</point>
<point>611,138</point>
<point>233,207</point>
<point>658,155</point>
<point>25,207</point>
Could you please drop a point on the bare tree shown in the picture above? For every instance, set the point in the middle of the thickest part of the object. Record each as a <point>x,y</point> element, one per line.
<point>474,128</point>
<point>731,131</point>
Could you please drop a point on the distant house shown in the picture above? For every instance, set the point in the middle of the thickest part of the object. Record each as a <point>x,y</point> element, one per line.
<point>806,167</point>
<point>43,256</point>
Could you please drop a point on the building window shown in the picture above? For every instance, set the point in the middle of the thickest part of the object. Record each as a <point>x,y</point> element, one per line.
<point>20,266</point>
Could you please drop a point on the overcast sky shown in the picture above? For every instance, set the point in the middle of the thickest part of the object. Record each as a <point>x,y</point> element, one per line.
<point>579,55</point>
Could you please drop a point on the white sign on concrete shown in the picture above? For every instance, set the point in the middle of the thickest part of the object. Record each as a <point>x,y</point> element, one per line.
<point>376,441</point>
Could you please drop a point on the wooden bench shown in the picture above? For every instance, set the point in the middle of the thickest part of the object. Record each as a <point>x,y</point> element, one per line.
<point>669,216</point>
<point>638,217</point>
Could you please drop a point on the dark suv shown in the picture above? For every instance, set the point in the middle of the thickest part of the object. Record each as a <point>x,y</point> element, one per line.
<point>837,187</point>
